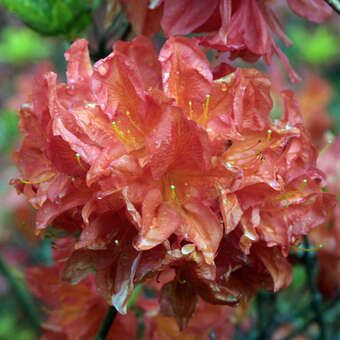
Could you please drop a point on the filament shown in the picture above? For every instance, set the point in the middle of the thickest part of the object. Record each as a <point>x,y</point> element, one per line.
<point>120,133</point>
<point>79,161</point>
<point>290,193</point>
<point>257,154</point>
<point>324,149</point>
<point>40,180</point>
<point>206,108</point>
<point>133,122</point>
<point>308,249</point>
<point>203,119</point>
<point>190,110</point>
<point>269,135</point>
<point>173,192</point>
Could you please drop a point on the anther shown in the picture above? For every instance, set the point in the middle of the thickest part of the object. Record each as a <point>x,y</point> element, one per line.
<point>79,161</point>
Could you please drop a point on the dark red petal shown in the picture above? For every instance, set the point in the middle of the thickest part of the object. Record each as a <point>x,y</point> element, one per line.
<point>314,10</point>
<point>182,16</point>
<point>178,299</point>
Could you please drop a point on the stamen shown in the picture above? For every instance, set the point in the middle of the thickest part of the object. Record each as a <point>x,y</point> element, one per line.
<point>258,153</point>
<point>190,110</point>
<point>133,122</point>
<point>173,192</point>
<point>302,186</point>
<point>206,108</point>
<point>40,180</point>
<point>79,161</point>
<point>120,133</point>
<point>204,118</point>
<point>288,194</point>
<point>325,147</point>
<point>269,135</point>
<point>308,249</point>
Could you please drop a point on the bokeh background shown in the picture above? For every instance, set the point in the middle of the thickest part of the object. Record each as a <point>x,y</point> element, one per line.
<point>24,54</point>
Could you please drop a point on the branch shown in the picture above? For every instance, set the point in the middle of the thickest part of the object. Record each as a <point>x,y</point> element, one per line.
<point>312,318</point>
<point>335,4</point>
<point>107,323</point>
<point>311,270</point>
<point>21,294</point>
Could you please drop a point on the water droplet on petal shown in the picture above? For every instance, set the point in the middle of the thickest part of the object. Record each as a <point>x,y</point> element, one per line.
<point>188,248</point>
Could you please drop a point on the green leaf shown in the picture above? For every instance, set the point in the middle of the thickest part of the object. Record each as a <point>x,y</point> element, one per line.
<point>22,45</point>
<point>318,48</point>
<point>52,17</point>
<point>8,129</point>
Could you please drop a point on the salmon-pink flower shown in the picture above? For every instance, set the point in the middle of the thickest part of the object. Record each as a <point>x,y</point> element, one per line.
<point>75,312</point>
<point>156,163</point>
<point>208,319</point>
<point>244,28</point>
<point>328,235</point>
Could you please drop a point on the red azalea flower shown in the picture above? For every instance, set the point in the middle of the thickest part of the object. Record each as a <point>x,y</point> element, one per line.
<point>245,28</point>
<point>208,319</point>
<point>75,311</point>
<point>156,164</point>
<point>328,235</point>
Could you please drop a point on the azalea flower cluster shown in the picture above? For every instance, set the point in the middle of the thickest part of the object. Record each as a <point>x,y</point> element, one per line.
<point>76,312</point>
<point>159,165</point>
<point>244,29</point>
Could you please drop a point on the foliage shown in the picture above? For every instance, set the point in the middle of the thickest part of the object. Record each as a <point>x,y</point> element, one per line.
<point>53,17</point>
<point>8,129</point>
<point>19,45</point>
<point>317,48</point>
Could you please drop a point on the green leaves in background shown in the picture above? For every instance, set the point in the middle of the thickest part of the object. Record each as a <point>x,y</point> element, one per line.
<point>20,45</point>
<point>53,17</point>
<point>9,329</point>
<point>318,47</point>
<point>8,129</point>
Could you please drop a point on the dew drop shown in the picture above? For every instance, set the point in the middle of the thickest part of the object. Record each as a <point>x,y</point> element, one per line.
<point>166,76</point>
<point>102,69</point>
<point>224,87</point>
<point>188,248</point>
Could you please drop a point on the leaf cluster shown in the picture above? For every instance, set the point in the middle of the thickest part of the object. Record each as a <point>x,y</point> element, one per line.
<point>53,17</point>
